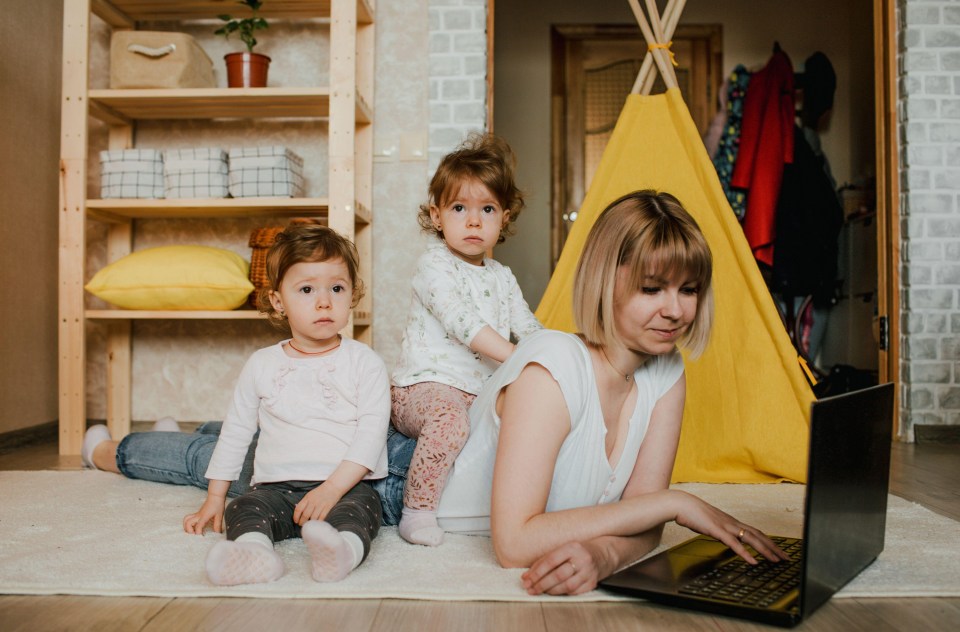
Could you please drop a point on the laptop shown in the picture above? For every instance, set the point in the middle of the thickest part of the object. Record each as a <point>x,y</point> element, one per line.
<point>845,515</point>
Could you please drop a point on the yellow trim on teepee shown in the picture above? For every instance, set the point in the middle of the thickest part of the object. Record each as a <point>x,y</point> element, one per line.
<point>745,418</point>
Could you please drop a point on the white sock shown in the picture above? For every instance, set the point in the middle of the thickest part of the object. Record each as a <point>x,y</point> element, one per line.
<point>165,424</point>
<point>232,562</point>
<point>256,536</point>
<point>94,436</point>
<point>333,555</point>
<point>355,544</point>
<point>419,526</point>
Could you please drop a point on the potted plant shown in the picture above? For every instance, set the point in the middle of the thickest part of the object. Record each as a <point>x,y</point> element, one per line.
<point>245,69</point>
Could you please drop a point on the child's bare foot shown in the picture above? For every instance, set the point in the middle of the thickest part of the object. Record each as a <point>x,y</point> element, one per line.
<point>332,556</point>
<point>230,563</point>
<point>419,526</point>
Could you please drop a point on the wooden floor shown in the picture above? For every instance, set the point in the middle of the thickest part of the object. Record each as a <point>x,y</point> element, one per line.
<point>928,474</point>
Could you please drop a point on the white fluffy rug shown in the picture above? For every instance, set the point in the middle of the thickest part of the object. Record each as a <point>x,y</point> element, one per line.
<point>94,533</point>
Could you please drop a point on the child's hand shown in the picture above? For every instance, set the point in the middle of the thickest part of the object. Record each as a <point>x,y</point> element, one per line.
<point>212,509</point>
<point>316,504</point>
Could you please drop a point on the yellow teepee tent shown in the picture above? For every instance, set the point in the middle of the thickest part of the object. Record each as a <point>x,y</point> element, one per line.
<point>748,399</point>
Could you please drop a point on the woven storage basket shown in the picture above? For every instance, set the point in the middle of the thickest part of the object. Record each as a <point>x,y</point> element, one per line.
<point>260,241</point>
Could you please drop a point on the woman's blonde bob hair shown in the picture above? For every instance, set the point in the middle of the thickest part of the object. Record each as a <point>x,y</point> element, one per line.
<point>651,234</point>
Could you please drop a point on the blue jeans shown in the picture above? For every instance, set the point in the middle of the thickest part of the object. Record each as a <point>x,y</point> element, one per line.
<point>180,458</point>
<point>399,453</point>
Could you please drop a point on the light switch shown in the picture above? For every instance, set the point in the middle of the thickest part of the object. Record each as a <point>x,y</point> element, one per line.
<point>385,150</point>
<point>413,146</point>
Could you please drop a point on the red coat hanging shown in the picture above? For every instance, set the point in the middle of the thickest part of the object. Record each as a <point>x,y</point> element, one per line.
<point>766,144</point>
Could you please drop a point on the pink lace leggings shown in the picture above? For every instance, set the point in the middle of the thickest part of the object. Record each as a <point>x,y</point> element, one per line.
<point>436,415</point>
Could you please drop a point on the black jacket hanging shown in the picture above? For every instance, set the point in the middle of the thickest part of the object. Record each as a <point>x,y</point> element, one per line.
<point>809,217</point>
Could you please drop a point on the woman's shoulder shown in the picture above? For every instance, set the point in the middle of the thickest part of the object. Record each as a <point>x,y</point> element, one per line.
<point>663,370</point>
<point>669,361</point>
<point>551,348</point>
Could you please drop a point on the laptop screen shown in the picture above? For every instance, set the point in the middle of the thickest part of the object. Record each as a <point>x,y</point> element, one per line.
<point>847,484</point>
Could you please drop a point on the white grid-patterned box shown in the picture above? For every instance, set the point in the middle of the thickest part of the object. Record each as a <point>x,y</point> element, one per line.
<point>131,173</point>
<point>199,172</point>
<point>265,172</point>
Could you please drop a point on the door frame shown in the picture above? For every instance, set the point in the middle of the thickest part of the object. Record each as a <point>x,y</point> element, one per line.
<point>888,195</point>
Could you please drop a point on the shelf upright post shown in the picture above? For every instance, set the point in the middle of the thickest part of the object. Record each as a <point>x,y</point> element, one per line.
<point>363,231</point>
<point>341,180</point>
<point>119,332</point>
<point>72,251</point>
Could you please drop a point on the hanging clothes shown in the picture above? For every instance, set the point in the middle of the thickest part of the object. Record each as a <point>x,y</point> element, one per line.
<point>766,145</point>
<point>809,218</point>
<point>729,144</point>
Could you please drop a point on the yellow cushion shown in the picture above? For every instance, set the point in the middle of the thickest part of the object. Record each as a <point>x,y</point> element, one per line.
<point>175,277</point>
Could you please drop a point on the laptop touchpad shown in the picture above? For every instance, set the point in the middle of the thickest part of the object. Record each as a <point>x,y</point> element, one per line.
<point>702,547</point>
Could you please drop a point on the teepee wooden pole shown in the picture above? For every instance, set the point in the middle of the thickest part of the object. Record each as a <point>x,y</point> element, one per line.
<point>671,19</point>
<point>644,75</point>
<point>671,16</point>
<point>664,57</point>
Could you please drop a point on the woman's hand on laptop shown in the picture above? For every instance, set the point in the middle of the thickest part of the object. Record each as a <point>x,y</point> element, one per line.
<point>704,518</point>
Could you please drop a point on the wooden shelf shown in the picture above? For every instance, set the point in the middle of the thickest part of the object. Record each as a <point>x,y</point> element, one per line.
<point>345,106</point>
<point>134,314</point>
<point>120,107</point>
<point>361,318</point>
<point>122,210</point>
<point>126,13</point>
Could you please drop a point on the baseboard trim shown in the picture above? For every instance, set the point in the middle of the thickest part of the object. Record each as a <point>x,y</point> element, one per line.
<point>28,436</point>
<point>927,433</point>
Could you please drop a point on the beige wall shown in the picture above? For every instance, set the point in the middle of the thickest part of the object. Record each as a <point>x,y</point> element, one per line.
<point>29,155</point>
<point>841,29</point>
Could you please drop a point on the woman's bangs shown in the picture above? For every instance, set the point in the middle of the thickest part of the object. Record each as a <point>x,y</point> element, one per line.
<point>678,259</point>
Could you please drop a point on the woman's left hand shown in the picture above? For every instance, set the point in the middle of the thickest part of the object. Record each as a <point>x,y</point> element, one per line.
<point>571,569</point>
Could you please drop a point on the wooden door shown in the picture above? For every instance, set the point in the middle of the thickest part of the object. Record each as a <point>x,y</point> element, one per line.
<point>594,68</point>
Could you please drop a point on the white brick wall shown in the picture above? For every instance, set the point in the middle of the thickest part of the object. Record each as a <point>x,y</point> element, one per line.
<point>929,115</point>
<point>458,73</point>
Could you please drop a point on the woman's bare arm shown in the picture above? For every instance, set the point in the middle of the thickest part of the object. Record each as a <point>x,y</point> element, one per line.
<point>534,424</point>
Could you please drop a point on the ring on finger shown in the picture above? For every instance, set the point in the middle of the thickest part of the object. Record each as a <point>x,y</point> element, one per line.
<point>573,566</point>
<point>741,534</point>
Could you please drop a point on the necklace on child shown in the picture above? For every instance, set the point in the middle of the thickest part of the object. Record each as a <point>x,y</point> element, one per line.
<point>299,350</point>
<point>626,376</point>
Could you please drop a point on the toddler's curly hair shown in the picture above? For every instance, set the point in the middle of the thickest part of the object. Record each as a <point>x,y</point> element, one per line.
<point>483,157</point>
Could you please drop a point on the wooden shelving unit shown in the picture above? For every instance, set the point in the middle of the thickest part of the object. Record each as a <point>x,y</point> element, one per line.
<point>345,104</point>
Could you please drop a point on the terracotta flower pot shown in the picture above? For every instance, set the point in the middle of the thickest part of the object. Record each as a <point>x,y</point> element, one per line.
<point>247,70</point>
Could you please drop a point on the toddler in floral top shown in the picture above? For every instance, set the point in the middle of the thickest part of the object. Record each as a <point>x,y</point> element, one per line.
<point>465,308</point>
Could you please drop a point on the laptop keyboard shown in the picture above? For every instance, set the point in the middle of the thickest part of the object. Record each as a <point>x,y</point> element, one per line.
<point>759,586</point>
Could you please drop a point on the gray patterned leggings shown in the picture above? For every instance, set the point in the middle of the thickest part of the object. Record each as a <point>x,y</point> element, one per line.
<point>268,509</point>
